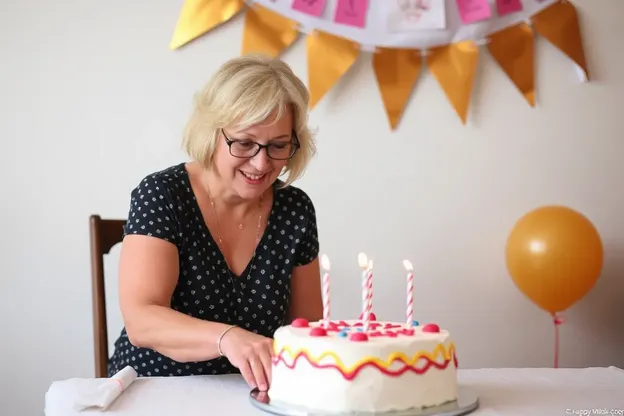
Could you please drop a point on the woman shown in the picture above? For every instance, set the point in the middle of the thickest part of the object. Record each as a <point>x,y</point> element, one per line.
<point>218,252</point>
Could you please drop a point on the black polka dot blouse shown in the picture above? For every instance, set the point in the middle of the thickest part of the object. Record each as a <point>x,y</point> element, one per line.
<point>164,206</point>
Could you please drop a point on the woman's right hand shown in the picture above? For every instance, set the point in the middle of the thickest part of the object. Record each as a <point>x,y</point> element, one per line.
<point>251,354</point>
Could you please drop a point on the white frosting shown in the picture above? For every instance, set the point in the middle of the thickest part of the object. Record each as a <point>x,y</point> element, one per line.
<point>326,390</point>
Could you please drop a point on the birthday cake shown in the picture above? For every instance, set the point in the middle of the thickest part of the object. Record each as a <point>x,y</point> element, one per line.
<point>362,366</point>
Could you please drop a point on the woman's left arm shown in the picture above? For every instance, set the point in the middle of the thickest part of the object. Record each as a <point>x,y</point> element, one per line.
<point>305,296</point>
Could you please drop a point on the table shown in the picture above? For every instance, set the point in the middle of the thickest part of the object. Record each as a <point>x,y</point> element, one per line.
<point>506,391</point>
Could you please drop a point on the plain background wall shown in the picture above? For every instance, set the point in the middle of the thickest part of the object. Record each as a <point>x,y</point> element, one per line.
<point>92,100</point>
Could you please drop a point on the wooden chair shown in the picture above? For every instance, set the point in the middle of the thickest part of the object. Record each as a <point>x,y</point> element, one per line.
<point>104,234</point>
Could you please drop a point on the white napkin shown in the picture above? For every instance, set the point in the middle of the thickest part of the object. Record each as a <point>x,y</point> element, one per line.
<point>103,393</point>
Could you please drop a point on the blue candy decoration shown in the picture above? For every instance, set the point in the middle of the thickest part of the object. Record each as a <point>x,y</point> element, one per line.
<point>342,334</point>
<point>415,323</point>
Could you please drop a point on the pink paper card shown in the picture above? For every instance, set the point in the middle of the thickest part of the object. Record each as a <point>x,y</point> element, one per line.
<point>351,12</point>
<point>472,11</point>
<point>311,7</point>
<point>414,15</point>
<point>508,6</point>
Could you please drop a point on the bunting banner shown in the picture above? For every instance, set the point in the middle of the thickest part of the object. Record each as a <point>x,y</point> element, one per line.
<point>454,67</point>
<point>329,58</point>
<point>513,48</point>
<point>397,71</point>
<point>267,32</point>
<point>200,16</point>
<point>404,37</point>
<point>559,24</point>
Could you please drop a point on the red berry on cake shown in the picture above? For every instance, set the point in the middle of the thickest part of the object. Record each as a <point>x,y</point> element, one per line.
<point>431,328</point>
<point>358,336</point>
<point>318,332</point>
<point>300,323</point>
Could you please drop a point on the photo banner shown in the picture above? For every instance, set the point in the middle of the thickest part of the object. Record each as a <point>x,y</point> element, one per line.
<point>406,37</point>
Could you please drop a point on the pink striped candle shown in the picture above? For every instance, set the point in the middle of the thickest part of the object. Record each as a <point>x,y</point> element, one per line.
<point>363,263</point>
<point>409,318</point>
<point>369,295</point>
<point>370,288</point>
<point>326,291</point>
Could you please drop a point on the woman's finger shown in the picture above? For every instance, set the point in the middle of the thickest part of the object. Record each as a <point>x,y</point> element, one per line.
<point>271,349</point>
<point>258,372</point>
<point>248,375</point>
<point>265,357</point>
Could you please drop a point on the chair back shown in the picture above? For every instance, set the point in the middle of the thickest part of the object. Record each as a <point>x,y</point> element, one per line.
<point>104,234</point>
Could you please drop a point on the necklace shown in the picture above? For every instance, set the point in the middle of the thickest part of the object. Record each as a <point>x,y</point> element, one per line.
<point>240,226</point>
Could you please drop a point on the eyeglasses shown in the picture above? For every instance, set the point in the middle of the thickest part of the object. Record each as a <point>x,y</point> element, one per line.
<point>247,148</point>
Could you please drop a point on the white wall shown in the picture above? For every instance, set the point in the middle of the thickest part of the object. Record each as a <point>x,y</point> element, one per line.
<point>92,99</point>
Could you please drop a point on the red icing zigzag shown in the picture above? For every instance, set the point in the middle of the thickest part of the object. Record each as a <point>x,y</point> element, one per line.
<point>350,374</point>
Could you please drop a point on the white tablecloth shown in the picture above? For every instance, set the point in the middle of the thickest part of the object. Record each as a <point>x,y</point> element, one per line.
<point>521,392</point>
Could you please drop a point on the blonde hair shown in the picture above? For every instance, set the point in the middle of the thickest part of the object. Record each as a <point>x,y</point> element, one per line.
<point>246,91</point>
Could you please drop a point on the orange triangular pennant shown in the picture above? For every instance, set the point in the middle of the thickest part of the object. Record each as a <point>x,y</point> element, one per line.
<point>267,32</point>
<point>200,16</point>
<point>512,48</point>
<point>329,58</point>
<point>454,68</point>
<point>397,71</point>
<point>559,24</point>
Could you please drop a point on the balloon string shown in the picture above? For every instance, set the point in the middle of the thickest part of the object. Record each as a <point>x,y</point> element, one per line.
<point>557,321</point>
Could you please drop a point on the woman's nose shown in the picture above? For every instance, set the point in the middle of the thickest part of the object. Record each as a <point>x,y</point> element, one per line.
<point>261,161</point>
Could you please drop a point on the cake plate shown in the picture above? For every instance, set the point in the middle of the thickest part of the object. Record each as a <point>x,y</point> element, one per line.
<point>467,402</point>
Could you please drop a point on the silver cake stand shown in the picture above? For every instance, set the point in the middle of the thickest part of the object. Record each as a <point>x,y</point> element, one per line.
<point>466,402</point>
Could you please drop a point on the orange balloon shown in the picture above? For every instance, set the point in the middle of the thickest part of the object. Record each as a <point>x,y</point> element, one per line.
<point>555,256</point>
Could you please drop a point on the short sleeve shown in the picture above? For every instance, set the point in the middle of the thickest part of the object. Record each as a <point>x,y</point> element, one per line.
<point>152,211</point>
<point>308,248</point>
